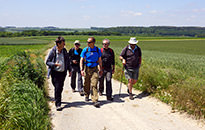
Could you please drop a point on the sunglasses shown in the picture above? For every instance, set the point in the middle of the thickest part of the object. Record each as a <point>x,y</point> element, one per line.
<point>89,42</point>
<point>105,44</point>
<point>77,44</point>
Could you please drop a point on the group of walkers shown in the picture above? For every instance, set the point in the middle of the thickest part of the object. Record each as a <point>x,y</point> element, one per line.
<point>95,64</point>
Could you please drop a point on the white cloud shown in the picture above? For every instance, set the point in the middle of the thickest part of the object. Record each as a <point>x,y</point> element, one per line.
<point>199,10</point>
<point>132,13</point>
<point>153,11</point>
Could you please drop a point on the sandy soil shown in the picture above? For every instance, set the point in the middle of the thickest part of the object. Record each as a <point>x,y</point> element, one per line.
<point>142,113</point>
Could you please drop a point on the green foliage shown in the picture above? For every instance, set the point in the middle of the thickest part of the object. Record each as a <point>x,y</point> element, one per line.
<point>188,96</point>
<point>24,107</point>
<point>23,103</point>
<point>23,68</point>
<point>157,31</point>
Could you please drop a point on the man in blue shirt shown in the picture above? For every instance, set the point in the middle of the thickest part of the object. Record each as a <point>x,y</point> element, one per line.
<point>90,59</point>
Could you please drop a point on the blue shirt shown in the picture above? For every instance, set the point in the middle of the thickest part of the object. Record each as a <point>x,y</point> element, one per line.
<point>91,55</point>
<point>131,48</point>
<point>75,52</point>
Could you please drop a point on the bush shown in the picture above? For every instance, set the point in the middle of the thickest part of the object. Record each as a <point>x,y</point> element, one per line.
<point>23,103</point>
<point>22,68</point>
<point>189,96</point>
<point>24,107</point>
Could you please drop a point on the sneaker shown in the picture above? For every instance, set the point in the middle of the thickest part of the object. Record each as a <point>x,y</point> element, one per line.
<point>100,93</point>
<point>131,96</point>
<point>86,99</point>
<point>58,108</point>
<point>110,99</point>
<point>96,104</point>
<point>81,93</point>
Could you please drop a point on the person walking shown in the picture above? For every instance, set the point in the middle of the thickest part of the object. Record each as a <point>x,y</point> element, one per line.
<point>131,60</point>
<point>74,55</point>
<point>58,62</point>
<point>108,68</point>
<point>90,59</point>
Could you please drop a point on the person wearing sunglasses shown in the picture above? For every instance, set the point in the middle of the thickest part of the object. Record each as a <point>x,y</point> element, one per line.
<point>59,63</point>
<point>108,67</point>
<point>89,63</point>
<point>74,54</point>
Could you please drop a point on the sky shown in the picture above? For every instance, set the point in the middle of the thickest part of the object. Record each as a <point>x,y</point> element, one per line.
<point>101,13</point>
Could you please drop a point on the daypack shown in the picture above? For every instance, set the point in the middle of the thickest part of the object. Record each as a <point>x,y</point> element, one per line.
<point>107,58</point>
<point>85,61</point>
<point>108,48</point>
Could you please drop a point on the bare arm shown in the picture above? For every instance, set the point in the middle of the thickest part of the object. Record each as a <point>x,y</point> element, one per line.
<point>82,66</point>
<point>100,66</point>
<point>123,60</point>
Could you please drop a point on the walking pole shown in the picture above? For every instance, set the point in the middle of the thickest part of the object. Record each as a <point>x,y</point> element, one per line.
<point>121,80</point>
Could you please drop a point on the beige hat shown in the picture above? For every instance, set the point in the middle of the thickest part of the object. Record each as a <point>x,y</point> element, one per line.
<point>133,40</point>
<point>77,42</point>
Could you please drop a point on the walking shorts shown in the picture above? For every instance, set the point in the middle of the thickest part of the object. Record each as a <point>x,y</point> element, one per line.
<point>132,73</point>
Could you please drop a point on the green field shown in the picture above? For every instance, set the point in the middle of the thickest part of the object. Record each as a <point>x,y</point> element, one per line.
<point>10,46</point>
<point>172,69</point>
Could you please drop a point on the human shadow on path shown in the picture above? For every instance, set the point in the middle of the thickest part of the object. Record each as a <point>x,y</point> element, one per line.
<point>142,95</point>
<point>79,104</point>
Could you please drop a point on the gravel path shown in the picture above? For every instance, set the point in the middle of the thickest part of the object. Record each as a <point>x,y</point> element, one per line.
<point>142,113</point>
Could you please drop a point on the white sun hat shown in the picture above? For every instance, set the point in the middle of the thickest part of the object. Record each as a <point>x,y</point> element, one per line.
<point>133,40</point>
<point>77,42</point>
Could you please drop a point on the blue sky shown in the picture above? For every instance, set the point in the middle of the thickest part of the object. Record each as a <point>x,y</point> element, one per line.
<point>101,13</point>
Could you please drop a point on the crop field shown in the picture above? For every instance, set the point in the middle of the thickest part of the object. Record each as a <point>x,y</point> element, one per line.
<point>172,69</point>
<point>10,46</point>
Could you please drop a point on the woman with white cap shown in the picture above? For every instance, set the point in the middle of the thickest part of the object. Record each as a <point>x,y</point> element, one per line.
<point>74,54</point>
<point>131,60</point>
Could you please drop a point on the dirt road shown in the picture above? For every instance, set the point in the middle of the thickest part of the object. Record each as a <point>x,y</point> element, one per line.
<point>142,113</point>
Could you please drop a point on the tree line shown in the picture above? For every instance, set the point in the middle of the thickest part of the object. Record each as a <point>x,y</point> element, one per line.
<point>118,31</point>
<point>52,33</point>
<point>157,31</point>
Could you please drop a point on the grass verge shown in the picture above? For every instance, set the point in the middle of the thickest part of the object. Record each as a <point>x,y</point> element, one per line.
<point>22,94</point>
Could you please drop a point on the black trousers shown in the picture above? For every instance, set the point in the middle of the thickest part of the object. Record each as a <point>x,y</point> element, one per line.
<point>107,74</point>
<point>58,79</point>
<point>76,70</point>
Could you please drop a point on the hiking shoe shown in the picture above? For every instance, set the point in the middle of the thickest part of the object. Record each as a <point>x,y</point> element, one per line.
<point>58,108</point>
<point>96,104</point>
<point>110,99</point>
<point>81,93</point>
<point>131,96</point>
<point>86,99</point>
<point>100,93</point>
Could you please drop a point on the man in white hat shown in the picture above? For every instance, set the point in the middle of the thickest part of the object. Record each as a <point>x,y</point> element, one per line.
<point>131,60</point>
<point>74,54</point>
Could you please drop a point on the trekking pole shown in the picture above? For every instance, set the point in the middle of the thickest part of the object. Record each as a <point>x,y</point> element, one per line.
<point>121,80</point>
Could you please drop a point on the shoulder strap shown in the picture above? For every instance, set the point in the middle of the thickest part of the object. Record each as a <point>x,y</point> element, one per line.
<point>97,50</point>
<point>110,50</point>
<point>101,50</point>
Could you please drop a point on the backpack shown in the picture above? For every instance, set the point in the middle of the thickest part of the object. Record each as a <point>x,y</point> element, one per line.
<point>108,48</point>
<point>107,58</point>
<point>85,61</point>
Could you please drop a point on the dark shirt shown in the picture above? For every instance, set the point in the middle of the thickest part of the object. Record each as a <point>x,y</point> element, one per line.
<point>75,56</point>
<point>108,58</point>
<point>133,59</point>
